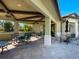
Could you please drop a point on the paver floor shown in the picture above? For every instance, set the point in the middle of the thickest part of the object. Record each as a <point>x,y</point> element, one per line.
<point>36,50</point>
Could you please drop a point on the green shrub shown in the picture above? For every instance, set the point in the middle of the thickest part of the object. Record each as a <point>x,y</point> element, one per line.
<point>8,27</point>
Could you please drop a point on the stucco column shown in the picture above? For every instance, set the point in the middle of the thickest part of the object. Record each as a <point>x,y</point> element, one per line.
<point>47,38</point>
<point>58,30</point>
<point>76,29</point>
<point>16,26</point>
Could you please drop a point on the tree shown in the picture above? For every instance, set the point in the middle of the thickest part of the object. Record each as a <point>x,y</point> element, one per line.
<point>27,28</point>
<point>8,27</point>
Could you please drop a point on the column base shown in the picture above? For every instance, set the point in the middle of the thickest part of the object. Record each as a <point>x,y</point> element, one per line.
<point>58,35</point>
<point>47,40</point>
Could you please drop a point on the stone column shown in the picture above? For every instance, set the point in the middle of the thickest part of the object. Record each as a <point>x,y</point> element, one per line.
<point>16,26</point>
<point>47,37</point>
<point>76,29</point>
<point>58,30</point>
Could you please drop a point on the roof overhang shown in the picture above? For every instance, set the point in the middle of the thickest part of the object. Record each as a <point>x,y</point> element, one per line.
<point>29,10</point>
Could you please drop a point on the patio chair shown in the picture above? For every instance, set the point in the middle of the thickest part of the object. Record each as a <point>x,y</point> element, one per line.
<point>27,36</point>
<point>66,38</point>
<point>22,38</point>
<point>14,37</point>
<point>75,40</point>
<point>3,45</point>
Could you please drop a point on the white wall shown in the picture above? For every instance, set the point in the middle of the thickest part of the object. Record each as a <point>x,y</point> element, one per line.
<point>37,27</point>
<point>73,29</point>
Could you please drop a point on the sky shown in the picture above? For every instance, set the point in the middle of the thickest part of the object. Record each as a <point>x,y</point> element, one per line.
<point>68,6</point>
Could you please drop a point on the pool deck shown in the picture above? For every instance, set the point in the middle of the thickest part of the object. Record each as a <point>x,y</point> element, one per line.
<point>36,50</point>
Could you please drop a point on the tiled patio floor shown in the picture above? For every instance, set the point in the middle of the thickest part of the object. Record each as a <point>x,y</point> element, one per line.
<point>36,50</point>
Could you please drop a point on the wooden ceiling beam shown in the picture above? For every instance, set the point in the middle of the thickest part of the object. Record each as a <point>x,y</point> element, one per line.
<point>38,20</point>
<point>5,8</point>
<point>1,10</point>
<point>31,17</point>
<point>10,12</point>
<point>31,20</point>
<point>22,12</point>
<point>25,12</point>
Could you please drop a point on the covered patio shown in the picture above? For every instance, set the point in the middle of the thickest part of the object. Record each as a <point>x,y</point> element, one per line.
<point>44,16</point>
<point>37,12</point>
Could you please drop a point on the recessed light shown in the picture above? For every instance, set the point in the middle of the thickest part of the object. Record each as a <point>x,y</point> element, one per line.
<point>19,5</point>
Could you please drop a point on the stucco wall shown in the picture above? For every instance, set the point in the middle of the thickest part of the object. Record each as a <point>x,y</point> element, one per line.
<point>5,36</point>
<point>38,27</point>
<point>72,26</point>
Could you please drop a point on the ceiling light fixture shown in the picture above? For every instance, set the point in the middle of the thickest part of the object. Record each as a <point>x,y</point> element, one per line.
<point>19,5</point>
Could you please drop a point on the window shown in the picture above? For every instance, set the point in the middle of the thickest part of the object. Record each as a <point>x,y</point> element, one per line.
<point>24,27</point>
<point>6,26</point>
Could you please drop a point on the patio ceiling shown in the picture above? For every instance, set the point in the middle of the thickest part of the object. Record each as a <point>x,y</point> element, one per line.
<point>49,8</point>
<point>19,10</point>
